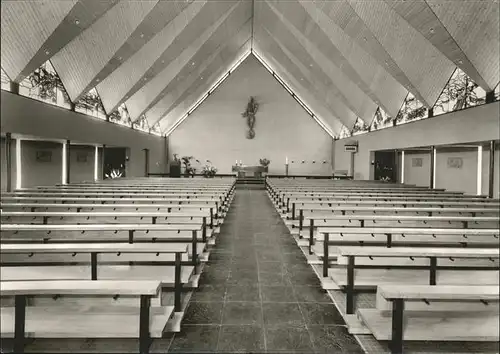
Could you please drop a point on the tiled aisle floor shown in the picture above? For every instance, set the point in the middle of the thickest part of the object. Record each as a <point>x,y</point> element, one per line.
<point>258,294</point>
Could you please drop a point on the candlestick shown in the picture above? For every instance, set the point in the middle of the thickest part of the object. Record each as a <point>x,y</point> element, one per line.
<point>286,160</point>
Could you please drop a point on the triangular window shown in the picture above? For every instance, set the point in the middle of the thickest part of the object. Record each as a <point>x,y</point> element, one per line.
<point>155,129</point>
<point>141,124</point>
<point>344,133</point>
<point>460,92</point>
<point>45,85</point>
<point>360,127</point>
<point>411,110</point>
<point>91,104</point>
<point>381,120</point>
<point>121,116</point>
<point>5,81</point>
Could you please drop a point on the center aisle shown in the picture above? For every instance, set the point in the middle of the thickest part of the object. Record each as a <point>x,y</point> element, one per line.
<point>258,294</point>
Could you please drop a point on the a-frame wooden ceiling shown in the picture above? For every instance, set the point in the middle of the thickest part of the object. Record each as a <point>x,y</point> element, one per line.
<point>344,58</point>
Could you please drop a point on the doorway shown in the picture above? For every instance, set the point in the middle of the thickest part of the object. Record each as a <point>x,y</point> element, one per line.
<point>115,160</point>
<point>385,168</point>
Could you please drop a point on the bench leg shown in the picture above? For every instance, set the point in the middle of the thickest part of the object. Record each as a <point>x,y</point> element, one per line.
<point>19,323</point>
<point>177,283</point>
<point>144,337</point>
<point>311,236</point>
<point>350,286</point>
<point>397,326</point>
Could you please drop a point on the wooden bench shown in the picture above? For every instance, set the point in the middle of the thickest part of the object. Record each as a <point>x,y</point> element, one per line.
<point>379,221</point>
<point>23,257</point>
<point>110,218</point>
<point>345,277</point>
<point>392,203</point>
<point>415,237</point>
<point>431,326</point>
<point>107,233</point>
<point>215,217</point>
<point>36,322</point>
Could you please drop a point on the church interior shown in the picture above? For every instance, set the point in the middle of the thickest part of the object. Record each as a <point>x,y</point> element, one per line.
<point>250,176</point>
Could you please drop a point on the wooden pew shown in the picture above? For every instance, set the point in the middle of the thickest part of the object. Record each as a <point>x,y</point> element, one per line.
<point>41,262</point>
<point>346,277</point>
<point>415,237</point>
<point>26,320</point>
<point>115,217</point>
<point>215,217</point>
<point>379,221</point>
<point>431,326</point>
<point>189,235</point>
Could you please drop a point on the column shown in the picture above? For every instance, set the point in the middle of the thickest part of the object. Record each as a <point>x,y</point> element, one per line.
<point>102,161</point>
<point>491,170</point>
<point>146,162</point>
<point>433,168</point>
<point>402,166</point>
<point>68,160</point>
<point>8,153</point>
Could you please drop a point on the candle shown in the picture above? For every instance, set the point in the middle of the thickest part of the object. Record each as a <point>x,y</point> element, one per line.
<point>286,160</point>
<point>236,162</point>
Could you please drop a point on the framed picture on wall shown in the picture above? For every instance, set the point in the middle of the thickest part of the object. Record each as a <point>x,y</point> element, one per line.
<point>455,162</point>
<point>81,157</point>
<point>417,162</point>
<point>44,156</point>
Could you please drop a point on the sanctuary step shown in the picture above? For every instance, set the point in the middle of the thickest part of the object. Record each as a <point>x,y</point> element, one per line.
<point>250,182</point>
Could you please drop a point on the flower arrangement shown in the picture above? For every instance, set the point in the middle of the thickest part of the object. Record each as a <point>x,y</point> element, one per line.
<point>209,170</point>
<point>114,173</point>
<point>189,170</point>
<point>264,162</point>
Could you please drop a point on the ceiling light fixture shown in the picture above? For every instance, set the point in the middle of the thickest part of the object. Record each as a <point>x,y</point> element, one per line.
<point>142,35</point>
<point>192,63</point>
<point>460,61</point>
<point>47,52</point>
<point>432,30</point>
<point>77,22</point>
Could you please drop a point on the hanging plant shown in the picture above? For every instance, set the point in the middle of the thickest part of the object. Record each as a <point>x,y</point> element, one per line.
<point>249,114</point>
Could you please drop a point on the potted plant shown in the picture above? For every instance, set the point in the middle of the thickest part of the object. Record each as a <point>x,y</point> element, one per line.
<point>265,163</point>
<point>209,170</point>
<point>189,170</point>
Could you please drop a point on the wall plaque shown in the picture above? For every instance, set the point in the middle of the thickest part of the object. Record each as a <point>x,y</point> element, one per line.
<point>81,157</point>
<point>455,162</point>
<point>417,162</point>
<point>44,156</point>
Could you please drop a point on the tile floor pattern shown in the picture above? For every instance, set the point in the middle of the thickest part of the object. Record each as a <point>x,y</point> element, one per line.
<point>258,294</point>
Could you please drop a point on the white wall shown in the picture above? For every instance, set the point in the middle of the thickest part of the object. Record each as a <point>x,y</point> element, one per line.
<point>418,175</point>
<point>79,169</point>
<point>462,179</point>
<point>38,173</point>
<point>216,130</point>
<point>469,125</point>
<point>28,117</point>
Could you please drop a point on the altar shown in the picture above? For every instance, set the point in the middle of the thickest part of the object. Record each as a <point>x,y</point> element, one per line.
<point>249,171</point>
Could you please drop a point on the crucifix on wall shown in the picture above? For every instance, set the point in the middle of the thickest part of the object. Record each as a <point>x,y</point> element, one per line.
<point>249,114</point>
